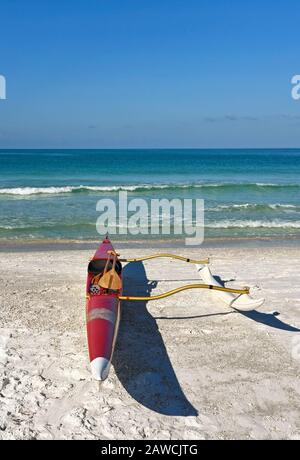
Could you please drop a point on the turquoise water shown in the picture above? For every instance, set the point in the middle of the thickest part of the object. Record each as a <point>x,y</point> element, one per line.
<point>53,193</point>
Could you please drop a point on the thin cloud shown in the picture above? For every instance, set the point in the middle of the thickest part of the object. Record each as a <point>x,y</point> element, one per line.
<point>289,116</point>
<point>230,118</point>
<point>236,118</point>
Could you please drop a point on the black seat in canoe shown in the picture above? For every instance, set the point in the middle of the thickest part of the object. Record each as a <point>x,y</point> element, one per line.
<point>97,266</point>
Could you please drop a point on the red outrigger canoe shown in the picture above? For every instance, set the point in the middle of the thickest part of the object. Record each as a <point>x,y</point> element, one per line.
<point>103,300</point>
<point>102,312</point>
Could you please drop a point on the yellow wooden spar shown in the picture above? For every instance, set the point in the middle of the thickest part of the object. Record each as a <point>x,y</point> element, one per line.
<point>245,290</point>
<point>171,256</point>
<point>111,279</point>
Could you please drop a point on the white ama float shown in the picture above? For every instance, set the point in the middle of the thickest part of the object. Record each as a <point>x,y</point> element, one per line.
<point>242,302</point>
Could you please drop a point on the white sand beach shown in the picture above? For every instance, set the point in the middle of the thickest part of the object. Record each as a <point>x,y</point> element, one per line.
<point>185,367</point>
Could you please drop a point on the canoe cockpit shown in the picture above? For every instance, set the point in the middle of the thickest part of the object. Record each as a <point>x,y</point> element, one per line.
<point>97,266</point>
<point>99,270</point>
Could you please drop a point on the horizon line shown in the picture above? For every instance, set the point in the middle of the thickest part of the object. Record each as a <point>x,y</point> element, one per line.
<point>149,148</point>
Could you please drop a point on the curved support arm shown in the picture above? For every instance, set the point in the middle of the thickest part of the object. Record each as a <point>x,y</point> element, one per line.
<point>171,256</point>
<point>185,288</point>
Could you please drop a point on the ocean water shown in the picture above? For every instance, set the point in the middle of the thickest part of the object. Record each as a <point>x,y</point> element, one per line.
<point>52,194</point>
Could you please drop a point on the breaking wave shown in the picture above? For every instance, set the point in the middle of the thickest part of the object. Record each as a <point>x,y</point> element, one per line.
<point>255,207</point>
<point>55,190</point>
<point>253,224</point>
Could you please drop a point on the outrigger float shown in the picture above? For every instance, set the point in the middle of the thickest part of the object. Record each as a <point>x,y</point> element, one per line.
<point>104,296</point>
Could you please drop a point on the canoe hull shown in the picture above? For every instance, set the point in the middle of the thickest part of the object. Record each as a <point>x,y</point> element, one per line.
<point>102,320</point>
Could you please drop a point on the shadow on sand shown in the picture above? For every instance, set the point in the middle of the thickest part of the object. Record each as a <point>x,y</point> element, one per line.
<point>141,360</point>
<point>269,319</point>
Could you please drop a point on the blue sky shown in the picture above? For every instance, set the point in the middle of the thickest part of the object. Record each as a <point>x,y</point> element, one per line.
<point>164,73</point>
